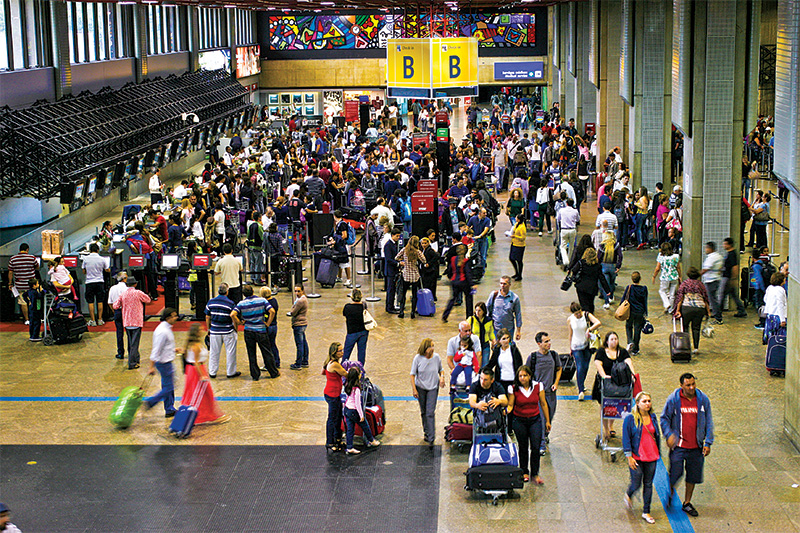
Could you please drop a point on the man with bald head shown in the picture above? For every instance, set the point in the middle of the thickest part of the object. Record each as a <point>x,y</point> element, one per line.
<point>464,331</point>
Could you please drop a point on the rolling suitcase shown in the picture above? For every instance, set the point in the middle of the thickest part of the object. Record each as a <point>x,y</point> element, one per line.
<point>327,272</point>
<point>680,344</point>
<point>568,366</point>
<point>425,304</point>
<point>183,422</point>
<point>776,355</point>
<point>494,477</point>
<point>458,432</point>
<point>374,417</point>
<point>127,404</point>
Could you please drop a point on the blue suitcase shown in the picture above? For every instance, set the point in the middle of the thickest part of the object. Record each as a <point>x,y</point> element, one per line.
<point>425,304</point>
<point>326,275</point>
<point>493,454</point>
<point>776,355</point>
<point>183,421</point>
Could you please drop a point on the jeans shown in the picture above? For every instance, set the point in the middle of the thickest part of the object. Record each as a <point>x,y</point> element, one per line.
<point>333,427</point>
<point>256,263</point>
<point>582,360</point>
<point>633,330</point>
<point>643,477</point>
<point>483,249</point>
<point>467,370</point>
<point>414,286</point>
<point>134,335</point>
<point>301,343</point>
<point>487,353</point>
<point>35,319</point>
<point>529,439</point>
<point>610,273</point>
<point>458,290</point>
<point>567,242</point>
<point>353,339</point>
<point>427,410</point>
<point>641,232</point>
<point>552,402</point>
<point>498,176</point>
<point>231,340</point>
<point>351,418</point>
<point>712,288</point>
<point>120,333</point>
<point>167,392</point>
<point>667,292</point>
<point>253,339</point>
<point>272,335</point>
<point>728,288</point>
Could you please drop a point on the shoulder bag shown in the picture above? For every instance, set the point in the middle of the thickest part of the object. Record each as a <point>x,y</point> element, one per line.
<point>369,322</point>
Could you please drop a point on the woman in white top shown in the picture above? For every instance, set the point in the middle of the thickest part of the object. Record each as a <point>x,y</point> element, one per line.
<point>775,307</point>
<point>535,156</point>
<point>505,360</point>
<point>581,326</point>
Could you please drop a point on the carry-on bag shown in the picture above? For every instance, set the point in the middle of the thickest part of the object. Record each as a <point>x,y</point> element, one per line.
<point>493,454</point>
<point>568,366</point>
<point>458,432</point>
<point>680,344</point>
<point>373,416</point>
<point>129,401</point>
<point>326,275</point>
<point>776,355</point>
<point>425,304</point>
<point>183,422</point>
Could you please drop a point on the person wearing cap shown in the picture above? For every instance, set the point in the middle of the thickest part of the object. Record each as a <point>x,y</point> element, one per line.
<point>5,520</point>
<point>677,192</point>
<point>131,302</point>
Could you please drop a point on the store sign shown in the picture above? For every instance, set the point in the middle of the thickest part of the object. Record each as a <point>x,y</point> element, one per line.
<point>248,60</point>
<point>454,62</point>
<point>408,63</point>
<point>351,110</point>
<point>442,135</point>
<point>520,70</point>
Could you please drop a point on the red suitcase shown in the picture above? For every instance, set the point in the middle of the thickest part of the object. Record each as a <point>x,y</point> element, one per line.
<point>375,418</point>
<point>458,432</point>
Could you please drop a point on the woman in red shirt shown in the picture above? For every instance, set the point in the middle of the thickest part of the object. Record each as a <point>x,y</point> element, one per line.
<point>641,441</point>
<point>526,400</point>
<point>333,372</point>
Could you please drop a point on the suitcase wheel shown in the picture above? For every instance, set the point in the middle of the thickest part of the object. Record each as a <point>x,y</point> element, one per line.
<point>597,442</point>
<point>48,340</point>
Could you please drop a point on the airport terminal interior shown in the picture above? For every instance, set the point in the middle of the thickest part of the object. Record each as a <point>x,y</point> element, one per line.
<point>111,109</point>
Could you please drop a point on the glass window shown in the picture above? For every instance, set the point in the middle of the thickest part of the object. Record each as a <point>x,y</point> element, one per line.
<point>17,38</point>
<point>80,44</point>
<point>3,37</point>
<point>101,15</point>
<point>91,52</point>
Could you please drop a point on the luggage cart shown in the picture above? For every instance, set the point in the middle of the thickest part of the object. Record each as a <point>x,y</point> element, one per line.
<point>612,408</point>
<point>500,473</point>
<point>459,397</point>
<point>47,334</point>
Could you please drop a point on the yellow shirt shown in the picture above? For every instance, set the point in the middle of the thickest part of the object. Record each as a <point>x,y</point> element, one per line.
<point>520,232</point>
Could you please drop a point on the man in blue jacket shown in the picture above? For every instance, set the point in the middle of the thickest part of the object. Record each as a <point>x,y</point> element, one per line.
<point>689,430</point>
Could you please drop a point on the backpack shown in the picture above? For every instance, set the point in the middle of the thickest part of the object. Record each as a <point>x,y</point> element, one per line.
<point>253,240</point>
<point>519,156</point>
<point>351,235</point>
<point>406,208</point>
<point>493,205</point>
<point>553,354</point>
<point>767,271</point>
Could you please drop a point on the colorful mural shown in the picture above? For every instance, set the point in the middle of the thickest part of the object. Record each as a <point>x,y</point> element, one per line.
<point>348,32</point>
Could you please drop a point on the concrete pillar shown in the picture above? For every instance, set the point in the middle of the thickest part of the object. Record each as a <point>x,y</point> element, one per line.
<point>569,87</point>
<point>554,49</point>
<point>193,14</point>
<point>611,113</point>
<point>61,58</point>
<point>140,41</point>
<point>787,167</point>
<point>586,91</point>
<point>649,118</point>
<point>712,146</point>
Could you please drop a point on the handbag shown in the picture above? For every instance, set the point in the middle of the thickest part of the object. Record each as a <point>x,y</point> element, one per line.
<point>567,283</point>
<point>595,343</point>
<point>762,216</point>
<point>623,312</point>
<point>369,322</point>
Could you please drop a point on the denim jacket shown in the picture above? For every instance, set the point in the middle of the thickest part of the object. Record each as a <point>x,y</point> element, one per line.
<point>632,434</point>
<point>671,418</point>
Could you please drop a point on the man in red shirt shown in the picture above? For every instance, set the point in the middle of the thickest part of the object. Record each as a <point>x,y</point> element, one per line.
<point>159,225</point>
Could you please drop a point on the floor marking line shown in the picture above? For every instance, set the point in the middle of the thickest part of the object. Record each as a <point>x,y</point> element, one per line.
<point>678,520</point>
<point>219,398</point>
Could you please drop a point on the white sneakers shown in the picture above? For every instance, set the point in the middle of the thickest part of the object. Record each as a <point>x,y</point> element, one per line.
<point>606,306</point>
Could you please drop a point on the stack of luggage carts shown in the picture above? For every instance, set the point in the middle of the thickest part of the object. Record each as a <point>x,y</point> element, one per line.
<point>493,460</point>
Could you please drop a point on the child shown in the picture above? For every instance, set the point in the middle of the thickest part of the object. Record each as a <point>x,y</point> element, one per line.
<point>467,361</point>
<point>60,277</point>
<point>34,297</point>
<point>354,412</point>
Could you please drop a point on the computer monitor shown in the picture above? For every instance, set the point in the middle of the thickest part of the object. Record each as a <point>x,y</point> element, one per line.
<point>70,261</point>
<point>146,161</point>
<point>201,261</point>
<point>137,262</point>
<point>170,261</point>
<point>79,191</point>
<point>92,185</point>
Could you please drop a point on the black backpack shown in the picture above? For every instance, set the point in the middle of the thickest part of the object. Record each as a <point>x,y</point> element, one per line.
<point>767,272</point>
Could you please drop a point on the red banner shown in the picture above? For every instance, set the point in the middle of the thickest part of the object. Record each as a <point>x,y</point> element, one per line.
<point>351,110</point>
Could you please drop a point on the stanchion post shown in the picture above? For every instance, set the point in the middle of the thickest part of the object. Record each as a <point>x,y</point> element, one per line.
<point>372,297</point>
<point>363,271</point>
<point>772,241</point>
<point>783,225</point>
<point>353,270</point>
<point>313,293</point>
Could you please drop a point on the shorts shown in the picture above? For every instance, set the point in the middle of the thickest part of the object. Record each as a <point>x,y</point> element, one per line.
<point>95,292</point>
<point>694,461</point>
<point>21,300</point>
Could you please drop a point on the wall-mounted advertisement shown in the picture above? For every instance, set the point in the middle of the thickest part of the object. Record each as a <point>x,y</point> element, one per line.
<point>215,60</point>
<point>248,60</point>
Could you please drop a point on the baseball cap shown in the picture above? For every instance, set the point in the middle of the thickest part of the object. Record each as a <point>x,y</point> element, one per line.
<point>4,508</point>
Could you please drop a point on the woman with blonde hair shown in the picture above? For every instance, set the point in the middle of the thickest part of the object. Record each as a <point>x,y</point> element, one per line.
<point>586,275</point>
<point>610,256</point>
<point>409,257</point>
<point>641,440</point>
<point>426,374</point>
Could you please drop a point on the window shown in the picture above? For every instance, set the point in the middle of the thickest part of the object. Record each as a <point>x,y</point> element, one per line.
<point>97,31</point>
<point>24,41</point>
<point>165,29</point>
<point>213,28</point>
<point>244,26</point>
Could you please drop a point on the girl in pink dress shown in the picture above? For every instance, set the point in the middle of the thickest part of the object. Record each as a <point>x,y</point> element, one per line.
<point>194,368</point>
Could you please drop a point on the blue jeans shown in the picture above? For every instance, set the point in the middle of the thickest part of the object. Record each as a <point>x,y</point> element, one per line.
<point>333,427</point>
<point>487,354</point>
<point>467,370</point>
<point>272,335</point>
<point>483,249</point>
<point>643,476</point>
<point>351,340</point>
<point>641,233</point>
<point>582,360</point>
<point>351,418</point>
<point>610,273</point>
<point>167,392</point>
<point>301,343</point>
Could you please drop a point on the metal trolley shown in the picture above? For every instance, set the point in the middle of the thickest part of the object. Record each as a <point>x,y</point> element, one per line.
<point>613,407</point>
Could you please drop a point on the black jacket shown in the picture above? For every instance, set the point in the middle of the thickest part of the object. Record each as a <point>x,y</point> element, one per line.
<point>432,270</point>
<point>589,276</point>
<point>389,254</point>
<point>516,356</point>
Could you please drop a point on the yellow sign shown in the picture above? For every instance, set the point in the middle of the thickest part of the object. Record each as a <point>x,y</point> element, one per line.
<point>408,63</point>
<point>454,62</point>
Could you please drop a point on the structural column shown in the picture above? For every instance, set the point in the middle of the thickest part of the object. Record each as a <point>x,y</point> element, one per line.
<point>61,57</point>
<point>140,41</point>
<point>611,112</point>
<point>787,167</point>
<point>586,91</point>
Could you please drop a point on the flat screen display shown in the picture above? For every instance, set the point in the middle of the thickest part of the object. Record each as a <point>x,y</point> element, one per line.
<point>92,185</point>
<point>215,60</point>
<point>79,191</point>
<point>170,261</point>
<point>70,261</point>
<point>248,60</point>
<point>136,261</point>
<point>201,260</point>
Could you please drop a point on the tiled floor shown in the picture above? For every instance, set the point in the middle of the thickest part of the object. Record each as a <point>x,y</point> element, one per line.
<point>751,475</point>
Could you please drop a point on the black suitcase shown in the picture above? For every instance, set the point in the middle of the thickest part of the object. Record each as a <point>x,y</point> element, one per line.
<point>494,477</point>
<point>66,329</point>
<point>680,345</point>
<point>744,286</point>
<point>568,366</point>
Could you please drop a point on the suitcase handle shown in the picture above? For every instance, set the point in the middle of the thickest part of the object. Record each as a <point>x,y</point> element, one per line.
<point>146,382</point>
<point>673,324</point>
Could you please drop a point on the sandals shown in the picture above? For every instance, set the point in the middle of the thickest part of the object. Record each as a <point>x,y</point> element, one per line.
<point>538,480</point>
<point>612,434</point>
<point>526,478</point>
<point>649,519</point>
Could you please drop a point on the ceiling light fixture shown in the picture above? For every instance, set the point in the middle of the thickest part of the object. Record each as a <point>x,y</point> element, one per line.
<point>127,3</point>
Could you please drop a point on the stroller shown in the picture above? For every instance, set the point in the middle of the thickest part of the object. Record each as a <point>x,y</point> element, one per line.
<point>63,323</point>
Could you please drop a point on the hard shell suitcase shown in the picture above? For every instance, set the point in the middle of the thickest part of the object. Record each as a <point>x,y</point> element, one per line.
<point>776,355</point>
<point>326,275</point>
<point>494,477</point>
<point>568,366</point>
<point>127,404</point>
<point>183,421</point>
<point>425,304</point>
<point>374,417</point>
<point>680,344</point>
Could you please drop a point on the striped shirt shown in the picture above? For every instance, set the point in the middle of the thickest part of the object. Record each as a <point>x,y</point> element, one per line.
<point>220,309</point>
<point>24,268</point>
<point>252,311</point>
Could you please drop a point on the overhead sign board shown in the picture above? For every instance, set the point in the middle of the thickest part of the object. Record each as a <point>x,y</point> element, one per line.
<point>454,62</point>
<point>408,63</point>
<point>519,70</point>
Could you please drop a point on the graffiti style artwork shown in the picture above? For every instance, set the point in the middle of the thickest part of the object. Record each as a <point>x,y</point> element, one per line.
<point>325,32</point>
<point>350,32</point>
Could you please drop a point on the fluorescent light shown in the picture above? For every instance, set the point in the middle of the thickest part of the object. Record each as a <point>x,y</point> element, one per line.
<point>327,3</point>
<point>127,3</point>
<point>230,6</point>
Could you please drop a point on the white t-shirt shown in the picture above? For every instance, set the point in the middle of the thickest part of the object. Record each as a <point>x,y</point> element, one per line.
<point>219,218</point>
<point>506,362</point>
<point>154,184</point>
<point>466,357</point>
<point>94,266</point>
<point>579,327</point>
<point>179,193</point>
